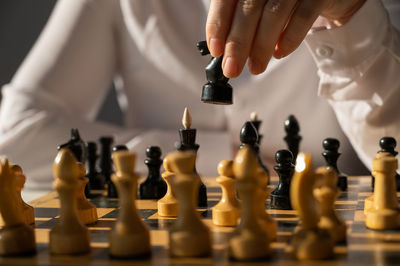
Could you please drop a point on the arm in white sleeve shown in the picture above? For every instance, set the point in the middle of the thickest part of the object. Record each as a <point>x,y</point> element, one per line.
<point>359,69</point>
<point>60,85</point>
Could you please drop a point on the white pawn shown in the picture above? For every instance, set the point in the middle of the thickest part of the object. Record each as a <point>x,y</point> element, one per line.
<point>189,236</point>
<point>69,236</point>
<point>227,211</point>
<point>130,237</point>
<point>16,237</point>
<point>168,205</point>
<point>250,241</point>
<point>87,212</point>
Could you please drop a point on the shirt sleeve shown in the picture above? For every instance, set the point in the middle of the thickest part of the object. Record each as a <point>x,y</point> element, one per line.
<point>359,65</point>
<point>61,84</point>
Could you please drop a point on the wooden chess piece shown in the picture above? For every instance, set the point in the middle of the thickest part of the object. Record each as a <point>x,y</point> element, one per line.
<point>69,236</point>
<point>280,196</point>
<point>96,180</point>
<point>16,237</point>
<point>20,179</point>
<point>187,137</point>
<point>105,164</point>
<point>168,205</point>
<point>326,193</point>
<point>369,201</point>
<point>130,237</point>
<point>262,195</point>
<point>309,242</point>
<point>189,236</point>
<point>331,155</point>
<point>217,90</point>
<point>292,137</point>
<point>227,211</point>
<point>388,145</point>
<point>87,212</point>
<point>257,123</point>
<point>250,240</point>
<point>249,135</point>
<point>385,213</point>
<point>154,187</point>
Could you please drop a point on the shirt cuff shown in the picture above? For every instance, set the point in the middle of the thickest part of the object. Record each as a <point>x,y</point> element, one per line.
<point>347,46</point>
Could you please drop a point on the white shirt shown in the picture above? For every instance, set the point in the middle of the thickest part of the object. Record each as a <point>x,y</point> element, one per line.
<point>345,84</point>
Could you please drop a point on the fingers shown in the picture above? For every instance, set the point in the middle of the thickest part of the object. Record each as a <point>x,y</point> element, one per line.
<point>299,24</point>
<point>274,18</point>
<point>241,35</point>
<point>257,29</point>
<point>218,24</point>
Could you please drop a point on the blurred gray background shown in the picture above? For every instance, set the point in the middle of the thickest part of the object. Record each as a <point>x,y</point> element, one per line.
<point>21,22</point>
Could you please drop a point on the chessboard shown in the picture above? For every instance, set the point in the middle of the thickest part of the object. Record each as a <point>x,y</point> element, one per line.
<point>363,246</point>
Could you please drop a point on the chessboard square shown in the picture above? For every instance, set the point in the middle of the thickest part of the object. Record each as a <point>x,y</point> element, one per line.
<point>46,212</point>
<point>99,236</point>
<point>103,202</point>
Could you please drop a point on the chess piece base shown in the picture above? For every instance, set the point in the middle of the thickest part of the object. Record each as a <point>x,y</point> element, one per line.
<point>217,93</point>
<point>337,229</point>
<point>187,244</point>
<point>17,240</point>
<point>280,203</point>
<point>314,244</point>
<point>247,247</point>
<point>383,219</point>
<point>130,245</point>
<point>225,217</point>
<point>70,243</point>
<point>167,209</point>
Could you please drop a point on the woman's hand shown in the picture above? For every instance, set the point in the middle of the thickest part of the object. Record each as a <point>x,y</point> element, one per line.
<point>259,29</point>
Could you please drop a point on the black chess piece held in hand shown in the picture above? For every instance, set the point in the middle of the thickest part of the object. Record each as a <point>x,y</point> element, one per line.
<point>154,187</point>
<point>280,196</point>
<point>217,90</point>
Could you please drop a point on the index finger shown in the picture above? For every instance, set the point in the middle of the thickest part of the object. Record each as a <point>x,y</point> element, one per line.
<point>219,19</point>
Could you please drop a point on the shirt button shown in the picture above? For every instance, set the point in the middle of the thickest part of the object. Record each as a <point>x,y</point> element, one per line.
<point>324,51</point>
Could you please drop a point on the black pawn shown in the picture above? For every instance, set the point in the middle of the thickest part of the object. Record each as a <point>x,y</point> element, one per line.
<point>96,180</point>
<point>292,137</point>
<point>331,155</point>
<point>217,90</point>
<point>256,124</point>
<point>388,144</point>
<point>280,196</point>
<point>105,164</point>
<point>154,187</point>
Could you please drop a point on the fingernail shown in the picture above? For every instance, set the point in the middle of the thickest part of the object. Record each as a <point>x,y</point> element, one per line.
<point>216,48</point>
<point>230,67</point>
